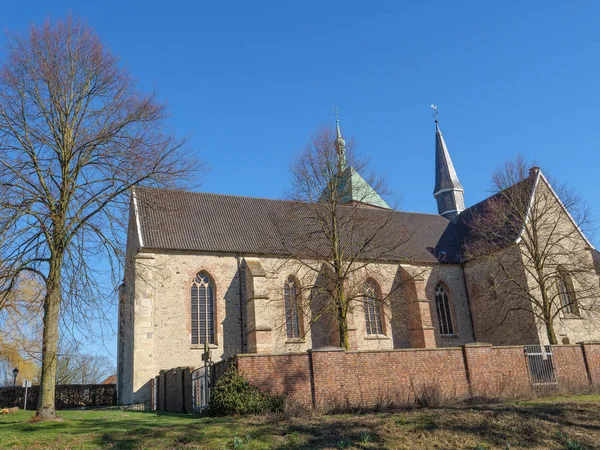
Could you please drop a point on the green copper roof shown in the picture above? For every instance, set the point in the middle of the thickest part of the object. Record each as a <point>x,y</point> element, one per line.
<point>353,187</point>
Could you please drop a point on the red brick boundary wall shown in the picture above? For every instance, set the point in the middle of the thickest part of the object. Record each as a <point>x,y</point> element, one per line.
<point>331,378</point>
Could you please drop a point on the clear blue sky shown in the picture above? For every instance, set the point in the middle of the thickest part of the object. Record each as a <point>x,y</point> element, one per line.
<point>249,81</point>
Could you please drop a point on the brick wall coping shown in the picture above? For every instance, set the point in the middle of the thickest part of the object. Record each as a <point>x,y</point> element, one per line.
<point>522,347</point>
<point>477,344</point>
<point>261,355</point>
<point>589,342</point>
<point>398,350</point>
<point>175,369</point>
<point>328,348</point>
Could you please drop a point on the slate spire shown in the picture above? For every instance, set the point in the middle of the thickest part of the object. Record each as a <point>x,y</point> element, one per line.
<point>448,191</point>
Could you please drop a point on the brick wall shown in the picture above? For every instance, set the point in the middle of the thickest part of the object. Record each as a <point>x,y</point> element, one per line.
<point>287,375</point>
<point>497,372</point>
<point>332,378</point>
<point>570,368</point>
<point>592,355</point>
<point>343,379</point>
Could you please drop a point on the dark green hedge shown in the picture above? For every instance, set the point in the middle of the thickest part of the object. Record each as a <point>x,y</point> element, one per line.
<point>233,395</point>
<point>67,396</point>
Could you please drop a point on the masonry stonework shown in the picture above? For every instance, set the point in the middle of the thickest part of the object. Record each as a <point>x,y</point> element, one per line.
<point>330,379</point>
<point>497,372</point>
<point>571,367</point>
<point>250,314</point>
<point>250,317</point>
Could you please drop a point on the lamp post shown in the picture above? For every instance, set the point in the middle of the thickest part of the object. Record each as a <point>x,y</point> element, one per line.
<point>15,373</point>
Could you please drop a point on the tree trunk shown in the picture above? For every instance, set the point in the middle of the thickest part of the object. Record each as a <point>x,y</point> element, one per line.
<point>344,341</point>
<point>547,306</point>
<point>342,310</point>
<point>46,407</point>
<point>550,331</point>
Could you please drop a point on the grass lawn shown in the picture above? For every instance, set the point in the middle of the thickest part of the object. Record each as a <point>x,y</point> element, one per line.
<point>556,423</point>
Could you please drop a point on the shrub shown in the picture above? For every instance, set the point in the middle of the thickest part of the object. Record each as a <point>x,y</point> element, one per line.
<point>428,396</point>
<point>232,394</point>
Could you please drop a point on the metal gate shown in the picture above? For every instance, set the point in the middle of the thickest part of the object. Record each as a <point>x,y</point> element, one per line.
<point>154,394</point>
<point>201,388</point>
<point>540,361</point>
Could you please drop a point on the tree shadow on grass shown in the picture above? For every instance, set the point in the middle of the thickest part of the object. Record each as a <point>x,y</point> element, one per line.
<point>164,430</point>
<point>528,426</point>
<point>346,432</point>
<point>525,426</point>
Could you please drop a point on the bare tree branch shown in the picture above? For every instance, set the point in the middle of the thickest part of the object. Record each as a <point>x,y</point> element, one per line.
<point>76,135</point>
<point>531,234</point>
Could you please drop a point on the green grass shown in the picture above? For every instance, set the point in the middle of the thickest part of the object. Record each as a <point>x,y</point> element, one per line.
<point>557,423</point>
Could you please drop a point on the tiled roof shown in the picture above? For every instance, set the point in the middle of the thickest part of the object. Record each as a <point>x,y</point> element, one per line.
<point>502,231</point>
<point>203,222</point>
<point>110,380</point>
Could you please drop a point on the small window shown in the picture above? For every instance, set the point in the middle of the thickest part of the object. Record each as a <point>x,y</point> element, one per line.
<point>292,319</point>
<point>442,304</point>
<point>202,309</point>
<point>566,294</point>
<point>372,311</point>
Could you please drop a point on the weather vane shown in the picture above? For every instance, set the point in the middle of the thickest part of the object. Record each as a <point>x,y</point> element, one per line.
<point>337,120</point>
<point>435,112</point>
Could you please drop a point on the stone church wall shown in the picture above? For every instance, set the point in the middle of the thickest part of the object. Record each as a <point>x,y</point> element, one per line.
<point>498,317</point>
<point>569,248</point>
<point>249,294</point>
<point>125,326</point>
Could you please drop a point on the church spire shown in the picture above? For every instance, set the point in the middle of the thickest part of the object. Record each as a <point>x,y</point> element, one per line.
<point>448,191</point>
<point>340,144</point>
<point>350,186</point>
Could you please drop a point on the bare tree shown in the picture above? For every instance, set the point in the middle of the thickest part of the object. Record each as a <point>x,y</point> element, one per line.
<point>75,367</point>
<point>75,135</point>
<point>541,264</point>
<point>347,228</point>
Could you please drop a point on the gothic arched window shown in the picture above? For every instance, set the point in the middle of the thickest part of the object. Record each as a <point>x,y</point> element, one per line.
<point>442,304</point>
<point>566,293</point>
<point>292,317</point>
<point>203,309</point>
<point>373,322</point>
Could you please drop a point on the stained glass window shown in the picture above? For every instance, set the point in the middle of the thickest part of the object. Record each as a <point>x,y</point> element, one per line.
<point>203,306</point>
<point>372,311</point>
<point>292,319</point>
<point>442,304</point>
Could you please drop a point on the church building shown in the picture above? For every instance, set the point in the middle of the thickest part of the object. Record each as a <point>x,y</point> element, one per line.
<point>214,271</point>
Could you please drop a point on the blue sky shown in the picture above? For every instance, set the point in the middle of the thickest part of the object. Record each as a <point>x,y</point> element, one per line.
<point>249,81</point>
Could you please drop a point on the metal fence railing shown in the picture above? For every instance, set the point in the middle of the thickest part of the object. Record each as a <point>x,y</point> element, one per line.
<point>540,361</point>
<point>154,394</point>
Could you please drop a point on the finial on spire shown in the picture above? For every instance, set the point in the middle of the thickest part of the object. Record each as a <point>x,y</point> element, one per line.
<point>337,123</point>
<point>340,144</point>
<point>435,112</point>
